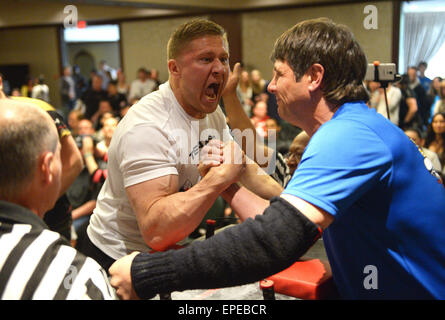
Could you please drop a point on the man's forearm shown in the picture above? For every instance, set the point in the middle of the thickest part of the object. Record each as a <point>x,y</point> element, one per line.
<point>84,210</point>
<point>173,217</point>
<point>260,183</point>
<point>245,203</point>
<point>238,119</point>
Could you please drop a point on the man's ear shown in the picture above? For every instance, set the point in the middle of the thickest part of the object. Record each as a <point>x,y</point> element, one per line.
<point>315,76</point>
<point>173,67</point>
<point>45,161</point>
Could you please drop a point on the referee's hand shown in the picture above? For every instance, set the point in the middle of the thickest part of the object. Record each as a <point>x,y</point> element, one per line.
<point>120,272</point>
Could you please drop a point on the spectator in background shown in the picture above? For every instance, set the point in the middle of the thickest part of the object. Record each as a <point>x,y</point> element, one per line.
<point>40,90</point>
<point>104,107</point>
<point>122,86</point>
<point>26,89</point>
<point>274,131</point>
<point>154,75</point>
<point>423,108</point>
<point>108,128</point>
<point>123,111</point>
<point>259,118</point>
<point>80,82</point>
<point>73,121</point>
<point>435,137</point>
<point>16,92</point>
<point>106,72</point>
<point>439,106</point>
<point>259,86</point>
<point>93,73</point>
<point>99,135</point>
<point>67,90</point>
<point>372,87</point>
<point>394,97</point>
<point>245,92</point>
<point>258,83</point>
<point>142,86</point>
<point>6,85</point>
<point>85,189</point>
<point>424,81</point>
<point>416,136</point>
<point>408,114</point>
<point>92,97</point>
<point>296,150</point>
<point>117,100</point>
<point>433,95</point>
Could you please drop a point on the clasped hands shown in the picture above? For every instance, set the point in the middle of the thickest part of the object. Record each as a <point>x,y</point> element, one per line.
<point>225,159</point>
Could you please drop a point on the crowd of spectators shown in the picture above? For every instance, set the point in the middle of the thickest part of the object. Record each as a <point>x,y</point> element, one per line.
<point>93,108</point>
<point>416,104</point>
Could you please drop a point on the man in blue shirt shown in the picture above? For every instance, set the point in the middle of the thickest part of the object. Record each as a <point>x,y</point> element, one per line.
<point>424,80</point>
<point>359,180</point>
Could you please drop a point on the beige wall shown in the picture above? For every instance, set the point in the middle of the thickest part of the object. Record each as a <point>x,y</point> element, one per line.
<point>261,29</point>
<point>144,44</point>
<point>38,12</point>
<point>108,51</point>
<point>36,47</point>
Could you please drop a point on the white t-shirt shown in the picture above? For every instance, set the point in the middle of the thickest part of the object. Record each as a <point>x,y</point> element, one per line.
<point>139,89</point>
<point>155,138</point>
<point>394,96</point>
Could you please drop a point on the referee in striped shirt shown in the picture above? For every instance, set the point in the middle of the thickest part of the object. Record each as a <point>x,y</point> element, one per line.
<point>36,263</point>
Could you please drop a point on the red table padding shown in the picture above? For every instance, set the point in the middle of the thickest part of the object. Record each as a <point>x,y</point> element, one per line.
<point>309,279</point>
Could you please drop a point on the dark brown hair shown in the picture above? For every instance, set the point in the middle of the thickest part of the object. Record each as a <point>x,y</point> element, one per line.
<point>335,48</point>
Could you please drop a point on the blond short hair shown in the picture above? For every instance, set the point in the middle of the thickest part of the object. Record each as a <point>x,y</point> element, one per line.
<point>192,30</point>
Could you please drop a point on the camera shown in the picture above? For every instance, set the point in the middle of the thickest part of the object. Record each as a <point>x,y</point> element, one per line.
<point>79,140</point>
<point>381,72</point>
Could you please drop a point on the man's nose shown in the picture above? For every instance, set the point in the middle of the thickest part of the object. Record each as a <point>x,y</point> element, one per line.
<point>272,86</point>
<point>219,67</point>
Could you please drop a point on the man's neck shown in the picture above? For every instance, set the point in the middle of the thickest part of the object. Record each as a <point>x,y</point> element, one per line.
<point>188,109</point>
<point>24,201</point>
<point>311,121</point>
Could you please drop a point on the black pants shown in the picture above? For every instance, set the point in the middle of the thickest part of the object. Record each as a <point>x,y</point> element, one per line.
<point>90,250</point>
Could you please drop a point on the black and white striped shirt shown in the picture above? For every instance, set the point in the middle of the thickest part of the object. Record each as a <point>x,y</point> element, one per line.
<point>36,263</point>
<point>281,173</point>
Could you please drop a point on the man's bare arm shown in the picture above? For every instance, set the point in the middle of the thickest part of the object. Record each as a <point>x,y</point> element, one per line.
<point>248,205</point>
<point>238,119</point>
<point>259,182</point>
<point>166,216</point>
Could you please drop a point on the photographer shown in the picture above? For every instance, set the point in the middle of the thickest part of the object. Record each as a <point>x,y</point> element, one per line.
<point>84,191</point>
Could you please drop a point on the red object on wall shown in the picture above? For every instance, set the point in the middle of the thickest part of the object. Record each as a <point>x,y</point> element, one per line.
<point>81,24</point>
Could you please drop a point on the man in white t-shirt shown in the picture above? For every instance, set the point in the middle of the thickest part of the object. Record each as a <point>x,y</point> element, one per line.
<point>142,86</point>
<point>153,196</point>
<point>394,96</point>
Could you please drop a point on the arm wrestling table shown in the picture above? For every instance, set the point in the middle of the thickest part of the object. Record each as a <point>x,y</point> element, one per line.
<point>308,278</point>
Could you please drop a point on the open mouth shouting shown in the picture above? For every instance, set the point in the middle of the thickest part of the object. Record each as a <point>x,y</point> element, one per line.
<point>212,90</point>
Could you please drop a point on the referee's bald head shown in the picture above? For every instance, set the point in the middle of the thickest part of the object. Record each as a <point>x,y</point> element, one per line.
<point>26,131</point>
